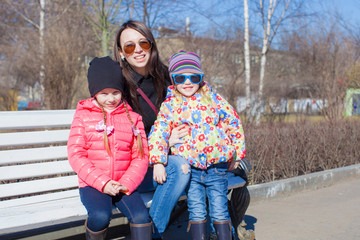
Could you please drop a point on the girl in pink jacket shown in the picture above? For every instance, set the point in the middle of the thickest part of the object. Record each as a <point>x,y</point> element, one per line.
<point>107,148</point>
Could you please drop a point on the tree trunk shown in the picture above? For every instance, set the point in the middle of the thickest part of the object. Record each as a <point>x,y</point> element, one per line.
<point>247,58</point>
<point>43,99</point>
<point>267,31</point>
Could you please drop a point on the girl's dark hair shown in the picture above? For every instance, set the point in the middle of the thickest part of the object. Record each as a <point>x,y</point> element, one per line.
<point>154,67</point>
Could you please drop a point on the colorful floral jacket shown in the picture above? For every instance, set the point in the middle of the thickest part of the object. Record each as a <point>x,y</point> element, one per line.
<point>208,142</point>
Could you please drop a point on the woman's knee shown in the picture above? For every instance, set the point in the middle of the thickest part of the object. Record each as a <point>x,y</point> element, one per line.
<point>178,166</point>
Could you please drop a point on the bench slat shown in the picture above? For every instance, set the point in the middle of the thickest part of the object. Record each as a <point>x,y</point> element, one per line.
<point>41,214</point>
<point>46,213</point>
<point>48,197</point>
<point>38,186</point>
<point>33,138</point>
<point>34,170</point>
<point>35,119</point>
<point>32,154</point>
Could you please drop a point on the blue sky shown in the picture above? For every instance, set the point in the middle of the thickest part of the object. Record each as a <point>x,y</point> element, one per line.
<point>229,13</point>
<point>349,9</point>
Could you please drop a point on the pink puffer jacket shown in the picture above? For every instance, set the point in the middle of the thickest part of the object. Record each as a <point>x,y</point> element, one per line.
<point>87,153</point>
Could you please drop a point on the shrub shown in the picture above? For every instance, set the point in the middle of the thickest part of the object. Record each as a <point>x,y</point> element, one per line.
<point>283,150</point>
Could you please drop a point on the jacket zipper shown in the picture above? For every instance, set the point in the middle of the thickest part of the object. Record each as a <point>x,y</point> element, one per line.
<point>110,123</point>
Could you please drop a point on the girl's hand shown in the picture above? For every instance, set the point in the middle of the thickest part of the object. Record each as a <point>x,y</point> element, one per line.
<point>233,165</point>
<point>112,188</point>
<point>122,189</point>
<point>159,173</point>
<point>177,133</point>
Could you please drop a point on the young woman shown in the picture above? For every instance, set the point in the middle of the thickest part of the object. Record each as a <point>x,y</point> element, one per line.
<point>147,79</point>
<point>135,48</point>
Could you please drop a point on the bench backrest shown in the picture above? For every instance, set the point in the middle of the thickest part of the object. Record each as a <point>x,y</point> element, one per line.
<point>33,156</point>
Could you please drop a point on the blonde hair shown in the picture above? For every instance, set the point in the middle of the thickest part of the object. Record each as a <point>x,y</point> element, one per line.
<point>106,139</point>
<point>139,141</point>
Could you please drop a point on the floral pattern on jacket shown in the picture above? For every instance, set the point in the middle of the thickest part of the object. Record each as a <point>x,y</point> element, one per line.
<point>208,115</point>
<point>86,150</point>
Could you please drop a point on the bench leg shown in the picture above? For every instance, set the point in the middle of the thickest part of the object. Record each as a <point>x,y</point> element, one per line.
<point>141,231</point>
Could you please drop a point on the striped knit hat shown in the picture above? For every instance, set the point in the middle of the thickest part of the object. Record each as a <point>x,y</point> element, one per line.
<point>183,62</point>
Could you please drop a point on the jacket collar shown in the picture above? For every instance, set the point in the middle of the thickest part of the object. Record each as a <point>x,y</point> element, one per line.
<point>89,104</point>
<point>138,77</point>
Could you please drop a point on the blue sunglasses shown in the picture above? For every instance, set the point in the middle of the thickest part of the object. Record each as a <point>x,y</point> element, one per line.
<point>181,78</point>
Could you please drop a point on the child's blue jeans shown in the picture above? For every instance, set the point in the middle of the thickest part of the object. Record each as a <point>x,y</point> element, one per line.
<point>99,208</point>
<point>211,183</point>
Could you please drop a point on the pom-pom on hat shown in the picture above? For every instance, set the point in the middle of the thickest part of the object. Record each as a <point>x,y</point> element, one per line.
<point>183,62</point>
<point>104,73</point>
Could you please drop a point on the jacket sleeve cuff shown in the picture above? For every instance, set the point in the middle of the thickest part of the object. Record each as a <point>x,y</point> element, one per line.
<point>100,183</point>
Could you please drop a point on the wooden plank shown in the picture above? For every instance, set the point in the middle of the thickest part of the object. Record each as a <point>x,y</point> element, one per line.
<point>34,170</point>
<point>38,186</point>
<point>38,199</point>
<point>32,155</point>
<point>41,214</point>
<point>35,119</point>
<point>44,213</point>
<point>33,138</point>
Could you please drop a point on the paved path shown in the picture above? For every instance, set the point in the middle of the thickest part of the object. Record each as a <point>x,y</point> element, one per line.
<point>323,214</point>
<point>329,213</point>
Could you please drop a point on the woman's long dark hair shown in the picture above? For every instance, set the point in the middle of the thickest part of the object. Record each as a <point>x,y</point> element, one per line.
<point>154,67</point>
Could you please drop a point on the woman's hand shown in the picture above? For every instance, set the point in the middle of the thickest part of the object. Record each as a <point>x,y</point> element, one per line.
<point>233,165</point>
<point>178,133</point>
<point>159,173</point>
<point>112,188</point>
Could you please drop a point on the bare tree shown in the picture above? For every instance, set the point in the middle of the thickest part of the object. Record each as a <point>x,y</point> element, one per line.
<point>29,15</point>
<point>103,16</point>
<point>326,57</point>
<point>270,29</point>
<point>273,14</point>
<point>247,58</point>
<point>70,41</point>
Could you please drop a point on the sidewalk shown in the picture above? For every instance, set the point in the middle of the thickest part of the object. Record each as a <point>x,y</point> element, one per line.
<point>318,212</point>
<point>329,213</point>
<point>324,214</point>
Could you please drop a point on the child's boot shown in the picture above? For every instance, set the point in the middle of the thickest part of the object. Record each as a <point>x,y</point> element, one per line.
<point>141,231</point>
<point>223,230</point>
<point>197,229</point>
<point>90,235</point>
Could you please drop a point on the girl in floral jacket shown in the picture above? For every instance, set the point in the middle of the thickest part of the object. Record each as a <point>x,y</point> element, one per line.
<point>214,144</point>
<point>107,148</point>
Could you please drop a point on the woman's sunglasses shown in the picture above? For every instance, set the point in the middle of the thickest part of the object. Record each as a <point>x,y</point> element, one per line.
<point>129,47</point>
<point>181,78</point>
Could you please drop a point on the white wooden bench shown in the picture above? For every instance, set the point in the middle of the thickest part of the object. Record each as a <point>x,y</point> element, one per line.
<point>38,188</point>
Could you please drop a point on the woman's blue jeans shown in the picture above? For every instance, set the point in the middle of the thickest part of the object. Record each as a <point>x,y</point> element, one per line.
<point>167,194</point>
<point>99,207</point>
<point>211,183</point>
